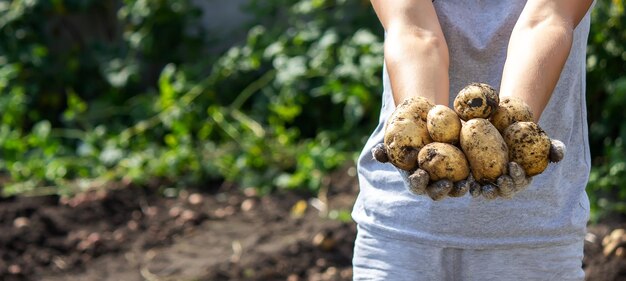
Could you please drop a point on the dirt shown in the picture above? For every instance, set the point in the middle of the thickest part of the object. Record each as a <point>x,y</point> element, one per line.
<point>599,267</point>
<point>216,233</point>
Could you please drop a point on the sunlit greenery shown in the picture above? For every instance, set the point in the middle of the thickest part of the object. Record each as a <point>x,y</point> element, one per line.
<point>93,92</point>
<point>606,99</point>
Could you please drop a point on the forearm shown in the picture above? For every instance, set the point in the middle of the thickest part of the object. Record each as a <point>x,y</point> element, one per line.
<point>417,65</point>
<point>535,58</point>
<point>538,50</point>
<point>416,54</point>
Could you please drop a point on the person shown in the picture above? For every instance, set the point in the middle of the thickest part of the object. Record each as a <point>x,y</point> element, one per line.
<point>534,50</point>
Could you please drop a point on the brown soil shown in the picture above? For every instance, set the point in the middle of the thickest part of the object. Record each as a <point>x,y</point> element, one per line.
<point>599,267</point>
<point>133,234</point>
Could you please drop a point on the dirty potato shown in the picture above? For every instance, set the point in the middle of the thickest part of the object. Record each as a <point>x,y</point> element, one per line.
<point>443,161</point>
<point>511,110</point>
<point>443,124</point>
<point>406,132</point>
<point>485,150</point>
<point>529,146</point>
<point>476,100</point>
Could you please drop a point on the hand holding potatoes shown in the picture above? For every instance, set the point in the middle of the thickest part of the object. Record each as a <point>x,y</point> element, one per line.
<point>514,181</point>
<point>406,132</point>
<point>493,152</point>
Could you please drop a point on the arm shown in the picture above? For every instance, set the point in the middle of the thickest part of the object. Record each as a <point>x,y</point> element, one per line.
<point>538,49</point>
<point>416,54</point>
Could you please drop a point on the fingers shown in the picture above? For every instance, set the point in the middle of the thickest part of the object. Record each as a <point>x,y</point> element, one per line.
<point>522,187</point>
<point>557,150</point>
<point>505,186</point>
<point>489,191</point>
<point>418,181</point>
<point>379,152</point>
<point>439,189</point>
<point>516,172</point>
<point>475,188</point>
<point>459,189</point>
<point>418,184</point>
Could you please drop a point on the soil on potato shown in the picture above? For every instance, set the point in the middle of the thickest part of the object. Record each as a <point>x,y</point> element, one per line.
<point>220,233</point>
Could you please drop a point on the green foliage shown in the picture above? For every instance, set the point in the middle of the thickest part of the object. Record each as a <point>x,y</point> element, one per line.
<point>98,91</point>
<point>606,98</point>
<point>77,87</point>
<point>313,83</point>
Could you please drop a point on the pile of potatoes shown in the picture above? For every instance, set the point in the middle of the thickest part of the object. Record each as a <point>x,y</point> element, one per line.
<point>450,152</point>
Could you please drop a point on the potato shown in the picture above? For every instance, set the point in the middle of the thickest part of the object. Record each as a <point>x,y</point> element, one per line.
<point>485,150</point>
<point>443,161</point>
<point>476,100</point>
<point>529,146</point>
<point>406,132</point>
<point>511,110</point>
<point>443,124</point>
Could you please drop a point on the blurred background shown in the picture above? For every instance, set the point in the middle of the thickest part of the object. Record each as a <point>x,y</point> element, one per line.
<point>130,128</point>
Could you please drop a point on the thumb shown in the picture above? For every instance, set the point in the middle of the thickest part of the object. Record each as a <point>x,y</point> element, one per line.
<point>557,150</point>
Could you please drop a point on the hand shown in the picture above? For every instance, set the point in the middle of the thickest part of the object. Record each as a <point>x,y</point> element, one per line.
<point>516,180</point>
<point>507,185</point>
<point>418,183</point>
<point>557,150</point>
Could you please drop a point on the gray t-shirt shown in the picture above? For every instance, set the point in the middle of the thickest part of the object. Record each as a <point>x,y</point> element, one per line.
<point>553,210</point>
